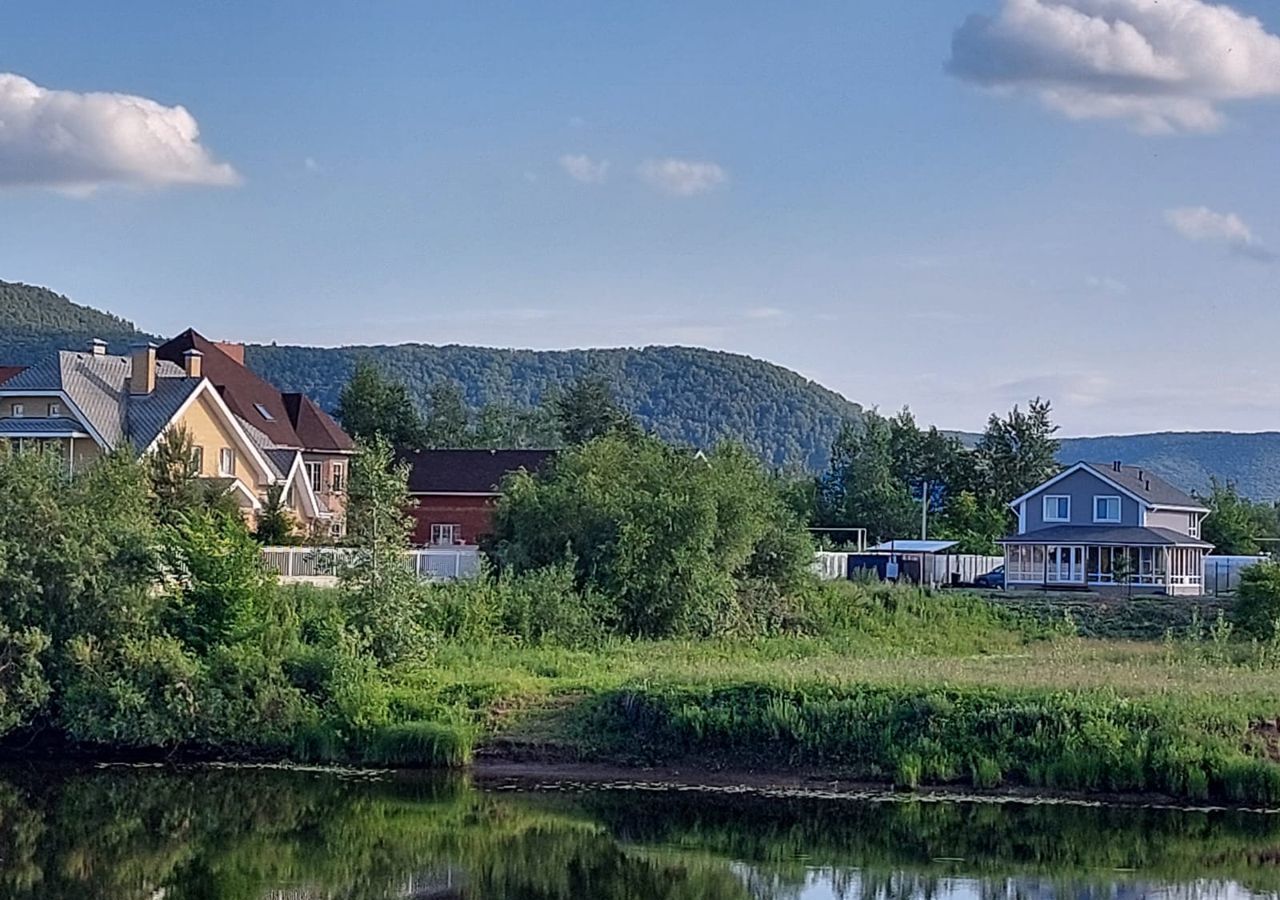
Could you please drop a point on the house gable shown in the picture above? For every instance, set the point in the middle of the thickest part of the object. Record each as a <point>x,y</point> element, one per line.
<point>1080,484</point>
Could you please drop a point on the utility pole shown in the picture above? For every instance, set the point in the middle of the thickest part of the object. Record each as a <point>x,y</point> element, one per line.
<point>924,513</point>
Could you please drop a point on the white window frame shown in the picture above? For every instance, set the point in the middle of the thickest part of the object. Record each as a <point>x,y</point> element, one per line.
<point>1193,527</point>
<point>226,461</point>
<point>339,482</point>
<point>197,459</point>
<point>55,410</point>
<point>315,475</point>
<point>336,530</point>
<point>1056,518</point>
<point>1119,509</point>
<point>440,529</point>
<point>18,410</point>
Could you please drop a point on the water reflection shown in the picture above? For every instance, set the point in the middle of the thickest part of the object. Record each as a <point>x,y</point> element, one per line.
<point>150,834</point>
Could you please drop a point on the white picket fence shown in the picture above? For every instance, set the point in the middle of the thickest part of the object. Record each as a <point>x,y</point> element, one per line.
<point>320,565</point>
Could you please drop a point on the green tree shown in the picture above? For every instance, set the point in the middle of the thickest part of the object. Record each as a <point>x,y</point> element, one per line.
<point>275,523</point>
<point>977,523</point>
<point>862,489</point>
<point>173,467</point>
<point>1230,524</point>
<point>669,538</point>
<point>1258,605</point>
<point>373,406</point>
<point>1018,452</point>
<point>448,421</point>
<point>381,592</point>
<point>587,410</point>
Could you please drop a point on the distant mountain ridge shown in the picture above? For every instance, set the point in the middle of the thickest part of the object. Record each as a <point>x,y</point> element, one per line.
<point>684,394</point>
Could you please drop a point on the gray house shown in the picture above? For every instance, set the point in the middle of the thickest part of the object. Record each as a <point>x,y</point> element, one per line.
<point>1102,526</point>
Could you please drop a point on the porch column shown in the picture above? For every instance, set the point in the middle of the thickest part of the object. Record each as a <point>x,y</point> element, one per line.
<point>1168,569</point>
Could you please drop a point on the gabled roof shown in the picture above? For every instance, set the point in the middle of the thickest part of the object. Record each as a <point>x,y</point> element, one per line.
<point>316,429</point>
<point>1140,484</point>
<point>97,387</point>
<point>468,471</point>
<point>251,398</point>
<point>1152,488</point>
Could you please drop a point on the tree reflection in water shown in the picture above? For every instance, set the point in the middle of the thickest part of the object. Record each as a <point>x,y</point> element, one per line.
<point>216,834</point>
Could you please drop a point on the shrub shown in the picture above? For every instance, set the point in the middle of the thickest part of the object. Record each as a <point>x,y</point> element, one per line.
<point>1258,607</point>
<point>425,744</point>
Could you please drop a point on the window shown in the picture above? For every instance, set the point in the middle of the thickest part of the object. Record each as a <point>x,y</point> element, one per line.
<point>1057,508</point>
<point>335,530</point>
<point>264,412</point>
<point>1193,527</point>
<point>315,474</point>
<point>18,411</point>
<point>446,534</point>
<point>226,461</point>
<point>55,410</point>
<point>197,459</point>
<point>339,478</point>
<point>1106,509</point>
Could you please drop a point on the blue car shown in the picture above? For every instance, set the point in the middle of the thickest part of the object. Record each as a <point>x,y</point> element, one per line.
<point>993,580</point>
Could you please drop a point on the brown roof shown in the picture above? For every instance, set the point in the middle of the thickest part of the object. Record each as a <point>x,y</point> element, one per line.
<point>257,401</point>
<point>315,427</point>
<point>468,471</point>
<point>7,372</point>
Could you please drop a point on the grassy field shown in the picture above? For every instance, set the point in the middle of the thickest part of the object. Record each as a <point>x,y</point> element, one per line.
<point>915,689</point>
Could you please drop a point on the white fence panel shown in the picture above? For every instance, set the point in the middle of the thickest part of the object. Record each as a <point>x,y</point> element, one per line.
<point>321,565</point>
<point>831,566</point>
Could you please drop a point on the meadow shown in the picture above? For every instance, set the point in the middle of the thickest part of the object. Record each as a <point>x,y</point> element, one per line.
<point>898,686</point>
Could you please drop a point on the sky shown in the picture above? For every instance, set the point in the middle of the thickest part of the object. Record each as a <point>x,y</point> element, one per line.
<point>954,205</point>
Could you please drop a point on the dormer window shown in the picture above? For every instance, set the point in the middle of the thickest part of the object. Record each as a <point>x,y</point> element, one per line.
<point>264,412</point>
<point>1106,510</point>
<point>1057,508</point>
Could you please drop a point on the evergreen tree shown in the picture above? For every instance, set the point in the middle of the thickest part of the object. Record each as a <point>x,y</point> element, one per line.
<point>173,469</point>
<point>448,421</point>
<point>588,410</point>
<point>373,406</point>
<point>861,489</point>
<point>275,522</point>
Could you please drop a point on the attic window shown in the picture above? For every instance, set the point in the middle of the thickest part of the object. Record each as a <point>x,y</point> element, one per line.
<point>262,411</point>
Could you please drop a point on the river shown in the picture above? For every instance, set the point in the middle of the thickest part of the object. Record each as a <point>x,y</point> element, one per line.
<point>151,833</point>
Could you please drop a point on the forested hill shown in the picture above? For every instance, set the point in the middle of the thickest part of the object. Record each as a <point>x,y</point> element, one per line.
<point>1190,459</point>
<point>34,320</point>
<point>683,394</point>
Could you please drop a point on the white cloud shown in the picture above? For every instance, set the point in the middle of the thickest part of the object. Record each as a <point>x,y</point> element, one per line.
<point>1105,284</point>
<point>682,177</point>
<point>1203,225</point>
<point>80,142</point>
<point>584,168</point>
<point>311,165</point>
<point>764,312</point>
<point>1162,66</point>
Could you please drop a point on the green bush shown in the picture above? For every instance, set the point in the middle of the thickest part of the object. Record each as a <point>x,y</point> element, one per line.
<point>1258,606</point>
<point>426,744</point>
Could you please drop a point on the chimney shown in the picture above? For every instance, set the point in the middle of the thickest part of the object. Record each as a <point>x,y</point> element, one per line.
<point>1148,485</point>
<point>142,372</point>
<point>1117,466</point>
<point>98,347</point>
<point>233,350</point>
<point>1141,475</point>
<point>193,363</point>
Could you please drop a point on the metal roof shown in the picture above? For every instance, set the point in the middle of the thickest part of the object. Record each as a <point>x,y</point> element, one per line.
<point>914,546</point>
<point>30,427</point>
<point>1147,485</point>
<point>1104,535</point>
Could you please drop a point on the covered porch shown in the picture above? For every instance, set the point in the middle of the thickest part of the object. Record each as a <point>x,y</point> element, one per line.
<point>1156,564</point>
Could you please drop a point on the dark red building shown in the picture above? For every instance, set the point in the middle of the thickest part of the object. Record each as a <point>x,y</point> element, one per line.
<point>455,491</point>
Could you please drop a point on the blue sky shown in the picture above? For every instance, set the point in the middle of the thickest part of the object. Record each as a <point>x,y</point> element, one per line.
<point>1077,199</point>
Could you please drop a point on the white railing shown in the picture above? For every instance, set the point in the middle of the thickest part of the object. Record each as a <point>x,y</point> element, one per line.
<point>322,564</point>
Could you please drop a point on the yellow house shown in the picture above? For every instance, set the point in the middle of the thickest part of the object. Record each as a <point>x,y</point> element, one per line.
<point>83,404</point>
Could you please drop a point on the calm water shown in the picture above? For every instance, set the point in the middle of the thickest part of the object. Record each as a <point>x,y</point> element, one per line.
<point>120,833</point>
